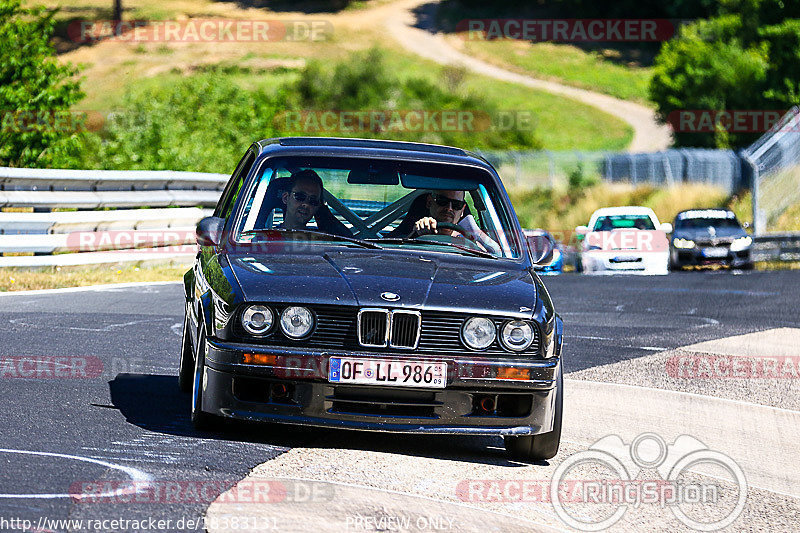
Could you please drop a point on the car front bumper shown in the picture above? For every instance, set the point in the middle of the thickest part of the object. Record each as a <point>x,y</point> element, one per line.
<point>697,256</point>
<point>246,392</point>
<point>625,261</point>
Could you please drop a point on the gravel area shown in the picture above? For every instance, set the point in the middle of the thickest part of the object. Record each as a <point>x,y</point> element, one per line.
<point>469,479</point>
<point>375,481</point>
<point>654,371</point>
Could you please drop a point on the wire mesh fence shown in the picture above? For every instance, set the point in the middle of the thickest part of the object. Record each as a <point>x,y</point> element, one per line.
<point>722,168</point>
<point>775,159</point>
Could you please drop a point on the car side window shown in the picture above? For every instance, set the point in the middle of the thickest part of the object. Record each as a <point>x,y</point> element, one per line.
<point>231,192</point>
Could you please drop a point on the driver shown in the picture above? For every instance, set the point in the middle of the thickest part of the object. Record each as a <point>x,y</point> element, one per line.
<point>443,206</point>
<point>448,206</point>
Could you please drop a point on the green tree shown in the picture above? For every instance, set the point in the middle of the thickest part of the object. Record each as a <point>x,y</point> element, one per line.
<point>708,68</point>
<point>34,88</point>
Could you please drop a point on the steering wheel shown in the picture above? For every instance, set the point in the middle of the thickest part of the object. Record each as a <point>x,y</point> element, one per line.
<point>454,227</point>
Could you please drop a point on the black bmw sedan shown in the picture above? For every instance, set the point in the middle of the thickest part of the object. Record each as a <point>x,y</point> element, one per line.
<point>709,237</point>
<point>372,285</point>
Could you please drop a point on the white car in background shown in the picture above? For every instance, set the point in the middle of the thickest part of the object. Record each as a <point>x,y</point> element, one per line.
<point>626,239</point>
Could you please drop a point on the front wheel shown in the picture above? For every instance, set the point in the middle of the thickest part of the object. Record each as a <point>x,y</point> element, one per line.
<point>201,420</point>
<point>186,366</point>
<point>545,445</point>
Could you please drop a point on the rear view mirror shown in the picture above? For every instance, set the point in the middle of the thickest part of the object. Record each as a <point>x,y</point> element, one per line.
<point>209,231</point>
<point>540,249</point>
<point>373,177</point>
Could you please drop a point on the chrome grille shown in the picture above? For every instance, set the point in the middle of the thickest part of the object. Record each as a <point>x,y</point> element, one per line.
<point>378,328</point>
<point>405,329</point>
<point>373,327</point>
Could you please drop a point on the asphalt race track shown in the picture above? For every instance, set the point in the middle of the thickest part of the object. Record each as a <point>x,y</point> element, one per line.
<point>119,419</point>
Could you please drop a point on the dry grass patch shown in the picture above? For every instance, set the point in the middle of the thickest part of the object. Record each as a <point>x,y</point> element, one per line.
<point>18,279</point>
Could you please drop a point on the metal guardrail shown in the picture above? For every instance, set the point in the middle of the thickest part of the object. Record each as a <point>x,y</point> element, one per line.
<point>120,234</point>
<point>50,179</point>
<point>776,247</point>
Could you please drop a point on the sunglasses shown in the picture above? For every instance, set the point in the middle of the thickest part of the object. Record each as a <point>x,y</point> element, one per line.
<point>302,197</point>
<point>443,201</point>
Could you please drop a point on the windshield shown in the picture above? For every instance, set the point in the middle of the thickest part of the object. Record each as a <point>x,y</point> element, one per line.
<point>706,222</point>
<point>612,222</point>
<point>377,204</point>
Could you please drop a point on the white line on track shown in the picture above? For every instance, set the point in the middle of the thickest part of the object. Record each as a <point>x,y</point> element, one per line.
<point>139,480</point>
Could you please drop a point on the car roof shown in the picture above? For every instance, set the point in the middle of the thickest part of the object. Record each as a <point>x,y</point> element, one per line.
<point>623,210</point>
<point>378,148</point>
<point>704,213</point>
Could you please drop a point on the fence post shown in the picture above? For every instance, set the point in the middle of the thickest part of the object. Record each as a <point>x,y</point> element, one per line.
<point>757,222</point>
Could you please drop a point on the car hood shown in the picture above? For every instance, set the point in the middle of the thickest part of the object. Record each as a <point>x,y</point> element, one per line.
<point>360,278</point>
<point>704,234</point>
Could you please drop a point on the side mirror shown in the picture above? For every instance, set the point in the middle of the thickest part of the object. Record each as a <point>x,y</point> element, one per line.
<point>745,225</point>
<point>540,249</point>
<point>666,227</point>
<point>582,230</point>
<point>209,231</point>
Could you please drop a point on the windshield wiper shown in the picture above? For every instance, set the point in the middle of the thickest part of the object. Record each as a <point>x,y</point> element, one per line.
<point>407,240</point>
<point>331,236</point>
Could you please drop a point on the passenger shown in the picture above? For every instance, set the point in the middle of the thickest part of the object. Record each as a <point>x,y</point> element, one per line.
<point>302,200</point>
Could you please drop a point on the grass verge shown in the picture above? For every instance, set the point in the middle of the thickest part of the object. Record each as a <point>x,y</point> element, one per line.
<point>566,64</point>
<point>18,279</point>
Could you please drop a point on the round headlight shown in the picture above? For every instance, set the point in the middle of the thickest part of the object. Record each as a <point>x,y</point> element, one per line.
<point>516,335</point>
<point>257,319</point>
<point>478,333</point>
<point>296,322</point>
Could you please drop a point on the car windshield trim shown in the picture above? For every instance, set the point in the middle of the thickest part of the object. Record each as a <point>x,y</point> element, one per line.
<point>338,238</point>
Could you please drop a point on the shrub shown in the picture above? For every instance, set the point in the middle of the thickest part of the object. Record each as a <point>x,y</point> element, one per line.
<point>32,84</point>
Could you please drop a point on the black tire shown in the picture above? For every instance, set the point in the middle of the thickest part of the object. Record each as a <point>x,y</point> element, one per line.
<point>545,445</point>
<point>201,420</point>
<point>186,366</point>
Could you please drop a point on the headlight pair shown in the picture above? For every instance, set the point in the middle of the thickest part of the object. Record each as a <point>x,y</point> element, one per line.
<point>683,243</point>
<point>479,333</point>
<point>295,322</point>
<point>742,243</point>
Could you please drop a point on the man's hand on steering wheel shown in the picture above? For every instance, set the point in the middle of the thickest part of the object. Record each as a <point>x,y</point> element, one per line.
<point>429,225</point>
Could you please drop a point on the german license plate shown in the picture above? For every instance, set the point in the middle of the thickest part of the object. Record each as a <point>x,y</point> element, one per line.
<point>387,372</point>
<point>717,251</point>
